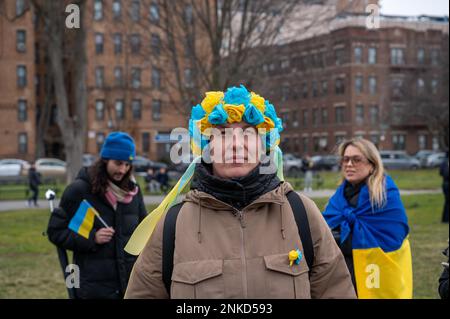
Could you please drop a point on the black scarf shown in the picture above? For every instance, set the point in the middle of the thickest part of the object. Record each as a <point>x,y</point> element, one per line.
<point>237,192</point>
<point>351,193</point>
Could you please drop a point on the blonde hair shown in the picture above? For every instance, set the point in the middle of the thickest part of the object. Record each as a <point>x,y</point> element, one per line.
<point>376,181</point>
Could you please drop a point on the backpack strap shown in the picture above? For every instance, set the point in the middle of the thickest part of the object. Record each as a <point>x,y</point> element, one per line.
<point>301,219</point>
<point>168,248</point>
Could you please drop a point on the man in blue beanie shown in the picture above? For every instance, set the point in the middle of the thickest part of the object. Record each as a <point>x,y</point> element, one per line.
<point>110,188</point>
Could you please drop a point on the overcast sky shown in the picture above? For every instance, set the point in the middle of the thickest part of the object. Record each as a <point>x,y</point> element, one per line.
<point>414,7</point>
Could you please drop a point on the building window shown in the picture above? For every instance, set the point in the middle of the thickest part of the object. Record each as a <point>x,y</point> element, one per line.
<point>188,14</point>
<point>135,43</point>
<point>315,89</point>
<point>156,110</point>
<point>117,9</point>
<point>117,43</point>
<point>339,56</point>
<point>359,84</point>
<point>359,114</point>
<point>136,109</point>
<point>375,139</point>
<point>135,78</point>
<point>399,142</point>
<point>21,37</point>
<point>145,142</point>
<point>340,115</point>
<point>20,7</point>
<point>23,143</point>
<point>324,116</point>
<point>305,90</point>
<point>305,118</point>
<point>100,139</point>
<point>22,115</point>
<point>155,43</point>
<point>420,86</point>
<point>397,56</point>
<point>316,117</point>
<point>324,88</point>
<point>316,143</point>
<point>397,87</point>
<point>372,58</point>
<point>422,141</point>
<point>188,78</point>
<point>135,10</point>
<point>434,86</point>
<point>305,145</point>
<point>99,110</point>
<point>98,10</point>
<point>374,115</point>
<point>421,56</point>
<point>120,109</point>
<point>435,143</point>
<point>21,76</point>
<point>99,43</point>
<point>339,139</point>
<point>339,86</point>
<point>358,51</point>
<point>435,57</point>
<point>156,78</point>
<point>372,85</point>
<point>99,76</point>
<point>154,13</point>
<point>118,76</point>
<point>285,92</point>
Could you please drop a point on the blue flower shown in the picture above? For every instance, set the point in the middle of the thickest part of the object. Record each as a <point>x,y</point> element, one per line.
<point>279,125</point>
<point>252,115</point>
<point>218,116</point>
<point>237,96</point>
<point>197,112</point>
<point>270,111</point>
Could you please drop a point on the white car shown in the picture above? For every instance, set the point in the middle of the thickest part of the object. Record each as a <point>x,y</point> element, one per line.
<point>435,160</point>
<point>13,167</point>
<point>51,167</point>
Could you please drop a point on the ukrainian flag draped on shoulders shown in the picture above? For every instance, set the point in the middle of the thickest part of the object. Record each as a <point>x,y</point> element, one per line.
<point>381,251</point>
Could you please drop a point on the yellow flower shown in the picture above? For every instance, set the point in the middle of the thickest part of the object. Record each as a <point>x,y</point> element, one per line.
<point>211,100</point>
<point>234,112</point>
<point>258,102</point>
<point>203,124</point>
<point>267,124</point>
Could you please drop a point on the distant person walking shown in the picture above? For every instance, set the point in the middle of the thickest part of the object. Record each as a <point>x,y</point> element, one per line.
<point>444,173</point>
<point>163,179</point>
<point>307,168</point>
<point>34,180</point>
<point>152,183</point>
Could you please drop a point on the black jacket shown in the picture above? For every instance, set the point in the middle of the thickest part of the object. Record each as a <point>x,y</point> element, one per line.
<point>34,178</point>
<point>104,269</point>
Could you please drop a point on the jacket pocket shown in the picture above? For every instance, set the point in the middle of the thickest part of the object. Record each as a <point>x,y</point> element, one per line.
<point>201,279</point>
<point>284,281</point>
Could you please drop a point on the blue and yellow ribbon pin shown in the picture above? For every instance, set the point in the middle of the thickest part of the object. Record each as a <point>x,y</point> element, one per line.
<point>295,256</point>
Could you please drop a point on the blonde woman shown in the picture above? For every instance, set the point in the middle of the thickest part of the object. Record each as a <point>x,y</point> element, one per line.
<point>370,224</point>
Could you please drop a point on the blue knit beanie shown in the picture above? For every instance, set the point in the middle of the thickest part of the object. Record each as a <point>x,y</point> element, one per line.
<point>118,146</point>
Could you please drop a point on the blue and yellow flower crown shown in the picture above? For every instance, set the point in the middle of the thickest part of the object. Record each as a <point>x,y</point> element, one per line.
<point>237,104</point>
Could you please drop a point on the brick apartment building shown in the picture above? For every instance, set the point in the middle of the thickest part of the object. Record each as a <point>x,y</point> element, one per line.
<point>352,81</point>
<point>339,81</point>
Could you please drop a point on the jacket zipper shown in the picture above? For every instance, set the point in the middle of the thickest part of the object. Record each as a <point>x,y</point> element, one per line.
<point>243,257</point>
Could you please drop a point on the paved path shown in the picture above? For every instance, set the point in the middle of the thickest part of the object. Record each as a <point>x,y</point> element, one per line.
<point>150,199</point>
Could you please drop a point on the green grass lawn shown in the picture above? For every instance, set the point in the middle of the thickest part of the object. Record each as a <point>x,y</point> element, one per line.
<point>29,265</point>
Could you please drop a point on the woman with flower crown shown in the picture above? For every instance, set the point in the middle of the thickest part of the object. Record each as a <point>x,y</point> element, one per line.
<point>240,231</point>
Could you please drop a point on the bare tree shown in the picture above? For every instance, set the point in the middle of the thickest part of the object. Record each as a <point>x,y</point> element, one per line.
<point>67,57</point>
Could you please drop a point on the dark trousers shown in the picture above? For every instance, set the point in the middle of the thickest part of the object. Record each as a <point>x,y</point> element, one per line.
<point>34,195</point>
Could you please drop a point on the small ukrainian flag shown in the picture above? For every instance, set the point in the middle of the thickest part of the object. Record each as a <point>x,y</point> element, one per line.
<point>83,220</point>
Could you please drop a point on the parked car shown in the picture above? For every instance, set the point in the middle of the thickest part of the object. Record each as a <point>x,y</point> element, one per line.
<point>292,165</point>
<point>435,160</point>
<point>325,162</point>
<point>398,160</point>
<point>13,167</point>
<point>88,160</point>
<point>422,156</point>
<point>141,164</point>
<point>51,167</point>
